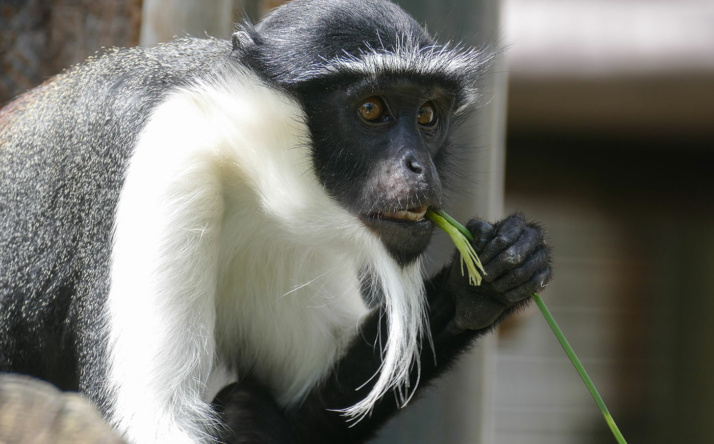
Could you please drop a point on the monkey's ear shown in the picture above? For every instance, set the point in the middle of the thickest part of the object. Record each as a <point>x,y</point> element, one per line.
<point>241,40</point>
<point>244,37</point>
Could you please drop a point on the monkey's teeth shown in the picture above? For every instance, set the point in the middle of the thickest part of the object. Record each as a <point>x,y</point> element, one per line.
<point>411,214</point>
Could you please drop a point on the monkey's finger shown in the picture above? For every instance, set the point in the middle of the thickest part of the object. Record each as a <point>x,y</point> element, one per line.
<point>535,284</point>
<point>535,264</point>
<point>481,231</point>
<point>507,232</point>
<point>515,255</point>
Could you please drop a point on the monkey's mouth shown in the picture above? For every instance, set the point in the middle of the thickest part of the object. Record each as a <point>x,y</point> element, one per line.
<point>404,231</point>
<point>415,214</point>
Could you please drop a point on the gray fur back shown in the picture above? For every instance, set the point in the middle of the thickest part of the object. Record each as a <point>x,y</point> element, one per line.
<point>64,147</point>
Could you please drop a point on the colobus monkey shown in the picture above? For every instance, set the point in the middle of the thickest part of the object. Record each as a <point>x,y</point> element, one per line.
<point>204,213</point>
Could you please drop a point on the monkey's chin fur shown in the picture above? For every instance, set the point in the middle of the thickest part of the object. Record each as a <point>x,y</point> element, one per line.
<point>238,249</point>
<point>405,239</point>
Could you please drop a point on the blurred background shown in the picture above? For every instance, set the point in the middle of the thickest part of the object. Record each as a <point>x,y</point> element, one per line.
<point>599,123</point>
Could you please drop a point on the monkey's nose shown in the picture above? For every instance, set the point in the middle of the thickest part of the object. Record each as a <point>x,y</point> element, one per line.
<point>414,165</point>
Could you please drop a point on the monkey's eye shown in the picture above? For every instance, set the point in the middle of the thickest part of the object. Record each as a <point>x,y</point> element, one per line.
<point>372,109</point>
<point>427,114</point>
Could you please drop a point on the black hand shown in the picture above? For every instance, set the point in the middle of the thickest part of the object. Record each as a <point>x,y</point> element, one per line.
<point>517,263</point>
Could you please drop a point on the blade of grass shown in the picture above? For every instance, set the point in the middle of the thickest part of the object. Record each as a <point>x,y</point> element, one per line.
<point>579,367</point>
<point>456,224</point>
<point>461,241</point>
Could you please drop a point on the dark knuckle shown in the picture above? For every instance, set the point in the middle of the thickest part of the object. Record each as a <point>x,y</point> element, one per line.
<point>519,274</point>
<point>478,226</point>
<point>542,256</point>
<point>534,232</point>
<point>512,258</point>
<point>502,240</point>
<point>500,285</point>
<point>515,296</point>
<point>541,279</point>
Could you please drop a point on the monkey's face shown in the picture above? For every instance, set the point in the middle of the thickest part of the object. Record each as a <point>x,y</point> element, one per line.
<point>378,150</point>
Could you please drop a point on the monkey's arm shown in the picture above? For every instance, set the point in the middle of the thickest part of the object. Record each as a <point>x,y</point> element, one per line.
<point>517,264</point>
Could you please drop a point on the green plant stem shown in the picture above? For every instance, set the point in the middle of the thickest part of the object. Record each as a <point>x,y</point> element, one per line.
<point>461,239</point>
<point>579,367</point>
<point>456,224</point>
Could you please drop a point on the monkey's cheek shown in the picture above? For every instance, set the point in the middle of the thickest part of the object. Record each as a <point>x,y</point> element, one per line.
<point>475,311</point>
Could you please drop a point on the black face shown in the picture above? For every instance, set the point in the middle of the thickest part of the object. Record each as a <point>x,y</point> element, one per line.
<point>377,150</point>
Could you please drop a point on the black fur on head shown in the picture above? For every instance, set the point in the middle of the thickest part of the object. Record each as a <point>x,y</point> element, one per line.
<point>308,40</point>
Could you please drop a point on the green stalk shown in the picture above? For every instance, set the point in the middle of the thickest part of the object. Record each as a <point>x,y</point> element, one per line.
<point>458,234</point>
<point>579,367</point>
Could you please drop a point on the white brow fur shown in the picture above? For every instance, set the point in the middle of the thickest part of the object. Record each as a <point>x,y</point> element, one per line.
<point>230,257</point>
